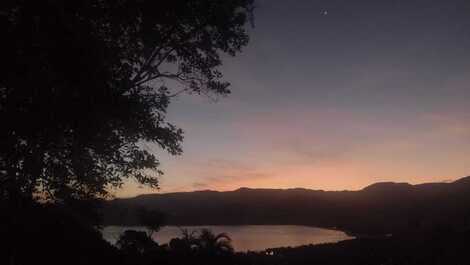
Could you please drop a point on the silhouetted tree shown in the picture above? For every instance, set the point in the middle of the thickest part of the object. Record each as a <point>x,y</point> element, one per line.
<point>214,244</point>
<point>137,247</point>
<point>152,220</point>
<point>203,247</point>
<point>136,241</point>
<point>184,245</point>
<point>84,86</point>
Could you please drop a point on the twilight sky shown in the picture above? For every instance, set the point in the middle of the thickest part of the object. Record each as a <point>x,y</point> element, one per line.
<point>333,94</point>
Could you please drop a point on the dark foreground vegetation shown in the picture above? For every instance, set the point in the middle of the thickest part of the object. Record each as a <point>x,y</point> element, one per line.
<point>441,246</point>
<point>47,234</point>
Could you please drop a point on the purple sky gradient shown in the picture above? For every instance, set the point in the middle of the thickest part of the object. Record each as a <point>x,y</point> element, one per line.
<point>372,91</point>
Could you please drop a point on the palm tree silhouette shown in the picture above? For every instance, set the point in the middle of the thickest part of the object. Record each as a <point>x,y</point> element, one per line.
<point>186,244</point>
<point>203,247</point>
<point>214,244</point>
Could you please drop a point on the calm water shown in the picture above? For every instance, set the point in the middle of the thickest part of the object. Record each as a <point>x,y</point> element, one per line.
<point>247,237</point>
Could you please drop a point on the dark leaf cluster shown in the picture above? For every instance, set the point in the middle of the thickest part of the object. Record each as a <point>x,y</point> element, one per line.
<point>85,85</point>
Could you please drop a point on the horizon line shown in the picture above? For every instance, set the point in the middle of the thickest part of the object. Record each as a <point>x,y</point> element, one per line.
<point>446,181</point>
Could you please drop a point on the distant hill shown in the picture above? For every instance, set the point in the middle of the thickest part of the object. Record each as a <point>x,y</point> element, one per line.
<point>379,208</point>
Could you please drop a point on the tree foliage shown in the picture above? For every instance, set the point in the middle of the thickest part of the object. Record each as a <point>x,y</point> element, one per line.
<point>136,241</point>
<point>84,84</point>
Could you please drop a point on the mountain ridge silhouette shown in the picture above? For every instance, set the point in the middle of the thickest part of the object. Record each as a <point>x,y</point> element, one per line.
<point>380,208</point>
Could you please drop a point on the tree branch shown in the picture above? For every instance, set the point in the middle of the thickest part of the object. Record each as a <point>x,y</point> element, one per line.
<point>154,53</point>
<point>139,79</point>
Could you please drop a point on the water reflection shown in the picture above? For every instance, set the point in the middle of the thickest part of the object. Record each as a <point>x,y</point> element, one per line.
<point>247,237</point>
